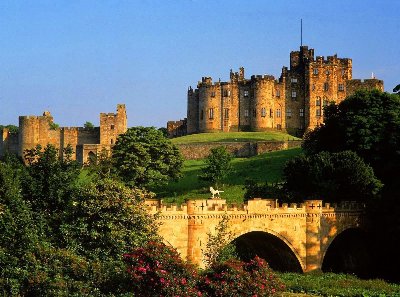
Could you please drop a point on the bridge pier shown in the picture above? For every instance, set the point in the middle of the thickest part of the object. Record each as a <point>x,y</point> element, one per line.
<point>313,235</point>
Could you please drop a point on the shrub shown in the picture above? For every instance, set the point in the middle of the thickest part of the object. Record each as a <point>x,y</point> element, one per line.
<point>157,270</point>
<point>237,278</point>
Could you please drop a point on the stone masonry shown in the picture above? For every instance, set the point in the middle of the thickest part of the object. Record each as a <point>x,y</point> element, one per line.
<point>86,142</point>
<point>307,229</point>
<point>293,103</point>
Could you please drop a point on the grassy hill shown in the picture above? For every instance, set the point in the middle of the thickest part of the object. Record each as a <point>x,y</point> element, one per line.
<point>233,137</point>
<point>261,168</point>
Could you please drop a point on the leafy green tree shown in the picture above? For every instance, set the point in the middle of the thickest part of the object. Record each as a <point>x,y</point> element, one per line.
<point>367,123</point>
<point>143,156</point>
<point>218,165</point>
<point>332,177</point>
<point>396,89</point>
<point>255,190</point>
<point>11,128</point>
<point>88,125</point>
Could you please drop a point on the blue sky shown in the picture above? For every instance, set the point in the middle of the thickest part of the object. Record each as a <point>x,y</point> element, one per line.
<point>80,58</point>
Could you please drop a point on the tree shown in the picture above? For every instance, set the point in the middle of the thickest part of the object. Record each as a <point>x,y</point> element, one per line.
<point>143,156</point>
<point>396,89</point>
<point>88,125</point>
<point>11,128</point>
<point>333,177</point>
<point>367,123</point>
<point>218,165</point>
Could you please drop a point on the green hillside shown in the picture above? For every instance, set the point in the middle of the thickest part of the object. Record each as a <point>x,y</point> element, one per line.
<point>263,167</point>
<point>233,137</point>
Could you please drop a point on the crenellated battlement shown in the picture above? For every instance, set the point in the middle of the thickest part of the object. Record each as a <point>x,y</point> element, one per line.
<point>254,206</point>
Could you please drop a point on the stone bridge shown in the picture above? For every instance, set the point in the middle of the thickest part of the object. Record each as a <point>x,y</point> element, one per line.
<point>304,231</point>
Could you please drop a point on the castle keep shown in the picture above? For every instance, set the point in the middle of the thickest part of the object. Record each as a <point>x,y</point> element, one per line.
<point>86,142</point>
<point>294,102</point>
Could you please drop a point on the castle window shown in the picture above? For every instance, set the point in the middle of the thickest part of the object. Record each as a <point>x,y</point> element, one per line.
<point>327,71</point>
<point>226,113</point>
<point>318,101</point>
<point>293,80</point>
<point>278,113</point>
<point>263,112</point>
<point>326,86</point>
<point>315,71</point>
<point>294,95</point>
<point>246,93</point>
<point>227,93</point>
<point>271,113</point>
<point>325,102</point>
<point>212,94</point>
<point>201,115</point>
<point>288,113</point>
<point>313,87</point>
<point>211,113</point>
<point>318,112</point>
<point>246,113</point>
<point>112,127</point>
<point>278,93</point>
<point>343,72</point>
<point>341,87</point>
<point>301,112</point>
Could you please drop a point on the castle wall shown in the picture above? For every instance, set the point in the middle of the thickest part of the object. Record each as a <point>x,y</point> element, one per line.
<point>295,103</point>
<point>8,142</point>
<point>37,130</point>
<point>193,151</point>
<point>367,84</point>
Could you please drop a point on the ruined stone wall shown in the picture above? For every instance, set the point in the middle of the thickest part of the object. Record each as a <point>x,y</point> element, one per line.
<point>8,142</point>
<point>193,151</point>
<point>177,128</point>
<point>112,124</point>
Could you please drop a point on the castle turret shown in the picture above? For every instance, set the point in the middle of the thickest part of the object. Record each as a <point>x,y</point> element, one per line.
<point>112,124</point>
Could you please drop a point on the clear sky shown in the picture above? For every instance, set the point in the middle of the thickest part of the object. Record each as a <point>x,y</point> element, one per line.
<point>80,58</point>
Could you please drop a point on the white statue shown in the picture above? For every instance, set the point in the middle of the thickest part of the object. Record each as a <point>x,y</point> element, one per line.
<point>215,192</point>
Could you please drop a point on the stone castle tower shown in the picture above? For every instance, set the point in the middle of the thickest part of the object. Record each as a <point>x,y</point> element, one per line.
<point>86,142</point>
<point>293,103</point>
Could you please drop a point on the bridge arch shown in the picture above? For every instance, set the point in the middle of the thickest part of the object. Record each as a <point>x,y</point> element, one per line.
<point>275,248</point>
<point>349,252</point>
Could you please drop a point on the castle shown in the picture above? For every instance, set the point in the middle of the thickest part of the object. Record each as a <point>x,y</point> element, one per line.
<point>86,142</point>
<point>293,103</point>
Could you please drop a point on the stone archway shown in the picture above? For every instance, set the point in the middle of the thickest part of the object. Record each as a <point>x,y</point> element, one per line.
<point>349,252</point>
<point>271,247</point>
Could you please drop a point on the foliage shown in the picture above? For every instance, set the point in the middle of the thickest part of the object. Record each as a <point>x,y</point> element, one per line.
<point>233,137</point>
<point>330,284</point>
<point>331,177</point>
<point>164,131</point>
<point>101,166</point>
<point>65,238</point>
<point>218,165</point>
<point>396,89</point>
<point>237,278</point>
<point>53,126</point>
<point>143,156</point>
<point>157,270</point>
<point>255,190</point>
<point>218,248</point>
<point>367,123</point>
<point>88,125</point>
<point>11,128</point>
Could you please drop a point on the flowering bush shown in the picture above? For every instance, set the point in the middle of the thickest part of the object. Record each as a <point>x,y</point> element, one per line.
<point>157,270</point>
<point>237,278</point>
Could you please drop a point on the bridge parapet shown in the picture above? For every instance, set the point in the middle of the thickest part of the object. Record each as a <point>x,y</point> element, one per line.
<point>253,206</point>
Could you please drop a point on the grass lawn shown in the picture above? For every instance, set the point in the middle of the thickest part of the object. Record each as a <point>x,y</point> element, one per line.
<point>233,137</point>
<point>332,284</point>
<point>261,168</point>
